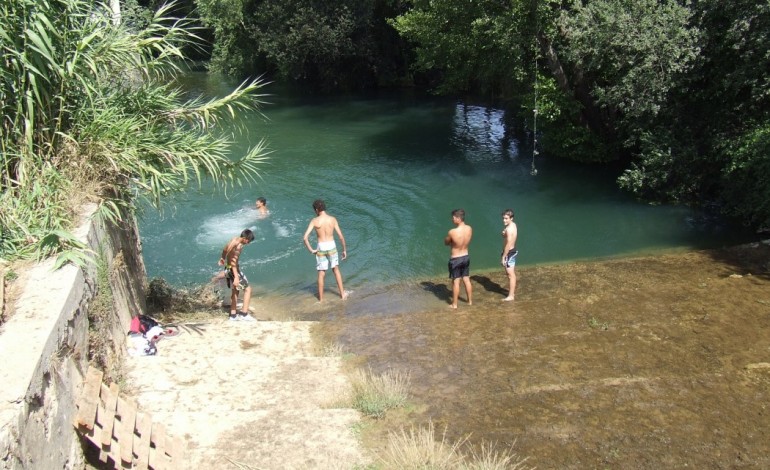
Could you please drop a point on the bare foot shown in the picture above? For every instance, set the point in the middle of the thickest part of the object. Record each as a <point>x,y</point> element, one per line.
<point>345,295</point>
<point>507,299</point>
<point>453,306</point>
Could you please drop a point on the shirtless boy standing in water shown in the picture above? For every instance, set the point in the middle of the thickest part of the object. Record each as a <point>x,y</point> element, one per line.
<point>326,252</point>
<point>510,233</point>
<point>458,240</point>
<point>235,277</point>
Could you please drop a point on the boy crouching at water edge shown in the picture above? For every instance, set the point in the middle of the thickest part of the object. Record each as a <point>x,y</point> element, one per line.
<point>235,277</point>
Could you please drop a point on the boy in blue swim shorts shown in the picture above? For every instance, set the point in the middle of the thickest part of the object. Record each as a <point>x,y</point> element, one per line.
<point>508,260</point>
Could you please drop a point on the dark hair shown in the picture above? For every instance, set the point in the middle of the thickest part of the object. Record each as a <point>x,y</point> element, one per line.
<point>508,212</point>
<point>319,205</point>
<point>262,200</point>
<point>459,213</point>
<point>248,235</point>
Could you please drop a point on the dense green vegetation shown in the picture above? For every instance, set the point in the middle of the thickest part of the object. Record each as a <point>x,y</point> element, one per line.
<point>345,44</point>
<point>675,90</point>
<point>90,113</point>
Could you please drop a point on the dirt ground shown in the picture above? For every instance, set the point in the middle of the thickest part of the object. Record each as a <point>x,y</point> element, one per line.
<point>648,362</point>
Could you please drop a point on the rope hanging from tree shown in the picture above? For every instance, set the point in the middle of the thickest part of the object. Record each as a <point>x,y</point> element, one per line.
<point>533,171</point>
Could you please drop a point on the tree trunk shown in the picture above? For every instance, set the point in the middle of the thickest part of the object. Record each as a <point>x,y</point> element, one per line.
<point>590,115</point>
<point>115,7</point>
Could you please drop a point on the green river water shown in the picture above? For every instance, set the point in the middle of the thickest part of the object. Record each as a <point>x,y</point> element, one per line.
<point>392,167</point>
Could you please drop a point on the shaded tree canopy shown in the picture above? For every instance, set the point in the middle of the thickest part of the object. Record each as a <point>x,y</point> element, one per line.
<point>677,91</point>
<point>322,45</point>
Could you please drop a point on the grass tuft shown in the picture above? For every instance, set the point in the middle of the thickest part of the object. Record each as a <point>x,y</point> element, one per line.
<point>418,448</point>
<point>373,395</point>
<point>489,458</point>
<point>333,350</point>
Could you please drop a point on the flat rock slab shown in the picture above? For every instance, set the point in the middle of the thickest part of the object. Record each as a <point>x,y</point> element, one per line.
<point>249,395</point>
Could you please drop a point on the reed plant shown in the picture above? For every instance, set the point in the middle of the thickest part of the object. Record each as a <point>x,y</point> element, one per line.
<point>375,394</point>
<point>89,111</point>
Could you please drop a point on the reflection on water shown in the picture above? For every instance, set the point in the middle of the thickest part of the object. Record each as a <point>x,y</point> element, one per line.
<point>481,134</point>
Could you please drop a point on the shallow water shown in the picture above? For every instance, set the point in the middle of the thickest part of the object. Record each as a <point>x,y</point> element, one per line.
<point>653,362</point>
<point>392,167</point>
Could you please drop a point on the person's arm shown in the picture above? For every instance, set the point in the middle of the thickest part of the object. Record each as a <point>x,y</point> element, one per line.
<point>233,262</point>
<point>305,238</point>
<point>510,241</point>
<point>448,238</point>
<point>342,239</point>
<point>223,259</point>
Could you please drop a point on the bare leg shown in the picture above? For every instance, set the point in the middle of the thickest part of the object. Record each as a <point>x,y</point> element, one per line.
<point>468,289</point>
<point>321,275</point>
<point>511,283</point>
<point>455,291</point>
<point>338,276</point>
<point>234,301</point>
<point>246,299</point>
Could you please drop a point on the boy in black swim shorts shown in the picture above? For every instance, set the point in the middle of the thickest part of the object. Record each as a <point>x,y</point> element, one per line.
<point>458,240</point>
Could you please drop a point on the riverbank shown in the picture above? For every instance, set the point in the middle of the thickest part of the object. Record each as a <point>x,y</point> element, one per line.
<point>646,362</point>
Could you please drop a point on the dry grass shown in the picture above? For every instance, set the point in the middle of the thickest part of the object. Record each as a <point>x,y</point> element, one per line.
<point>419,449</point>
<point>489,458</point>
<point>332,350</point>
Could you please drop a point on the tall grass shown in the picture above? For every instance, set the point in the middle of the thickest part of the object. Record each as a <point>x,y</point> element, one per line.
<point>88,110</point>
<point>418,448</point>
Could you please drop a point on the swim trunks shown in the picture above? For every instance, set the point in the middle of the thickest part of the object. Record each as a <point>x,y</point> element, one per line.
<point>242,281</point>
<point>459,267</point>
<point>326,255</point>
<point>510,258</point>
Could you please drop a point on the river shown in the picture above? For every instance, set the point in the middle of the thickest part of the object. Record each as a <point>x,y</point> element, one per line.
<point>391,167</point>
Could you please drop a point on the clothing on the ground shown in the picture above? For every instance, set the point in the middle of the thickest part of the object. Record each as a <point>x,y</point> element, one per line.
<point>459,267</point>
<point>326,255</point>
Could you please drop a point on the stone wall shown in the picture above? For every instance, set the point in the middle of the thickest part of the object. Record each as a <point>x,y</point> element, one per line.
<point>44,344</point>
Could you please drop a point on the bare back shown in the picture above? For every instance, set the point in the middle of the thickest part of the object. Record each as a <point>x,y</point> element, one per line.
<point>458,240</point>
<point>325,226</point>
